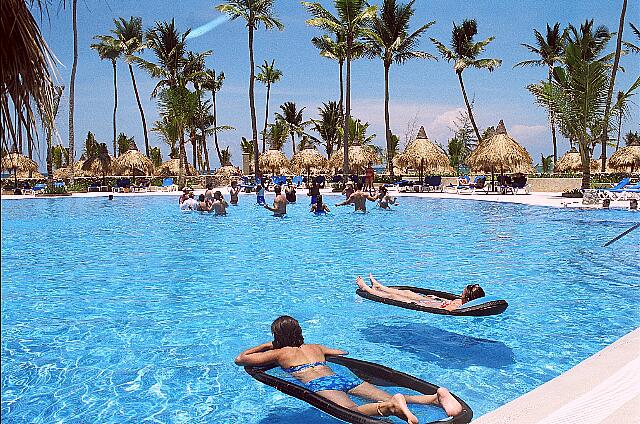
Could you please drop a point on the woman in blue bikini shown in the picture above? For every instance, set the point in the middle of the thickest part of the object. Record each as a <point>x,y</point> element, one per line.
<point>306,363</point>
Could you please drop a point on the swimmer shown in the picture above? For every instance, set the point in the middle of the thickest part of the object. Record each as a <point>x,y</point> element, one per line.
<point>358,199</point>
<point>208,194</point>
<point>260,194</point>
<point>219,205</point>
<point>290,193</point>
<point>314,191</point>
<point>190,204</point>
<point>279,203</point>
<point>234,190</point>
<point>204,205</point>
<point>348,190</point>
<point>319,207</point>
<point>384,200</point>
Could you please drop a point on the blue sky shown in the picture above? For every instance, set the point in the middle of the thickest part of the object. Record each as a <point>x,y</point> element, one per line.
<point>423,91</point>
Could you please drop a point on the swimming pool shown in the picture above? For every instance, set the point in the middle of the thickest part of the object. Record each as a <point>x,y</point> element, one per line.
<point>129,310</point>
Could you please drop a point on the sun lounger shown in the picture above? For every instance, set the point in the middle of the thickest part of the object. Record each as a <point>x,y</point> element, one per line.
<point>629,191</point>
<point>505,184</point>
<point>122,185</point>
<point>478,183</point>
<point>432,183</point>
<point>615,191</point>
<point>461,184</point>
<point>39,188</point>
<point>519,182</point>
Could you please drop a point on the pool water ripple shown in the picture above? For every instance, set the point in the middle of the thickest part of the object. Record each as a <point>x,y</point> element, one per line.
<point>130,310</point>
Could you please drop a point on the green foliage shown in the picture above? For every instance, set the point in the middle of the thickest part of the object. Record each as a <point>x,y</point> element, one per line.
<point>357,135</point>
<point>278,134</point>
<point>52,189</point>
<point>226,156</point>
<point>546,162</point>
<point>269,74</point>
<point>91,147</point>
<point>327,126</point>
<point>60,156</point>
<point>247,147</point>
<point>254,12</point>
<point>124,143</point>
<point>156,156</point>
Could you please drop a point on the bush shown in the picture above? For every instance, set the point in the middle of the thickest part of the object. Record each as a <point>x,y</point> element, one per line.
<point>575,193</point>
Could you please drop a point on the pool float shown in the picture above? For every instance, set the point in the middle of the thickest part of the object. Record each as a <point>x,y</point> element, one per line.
<point>482,307</point>
<point>367,371</point>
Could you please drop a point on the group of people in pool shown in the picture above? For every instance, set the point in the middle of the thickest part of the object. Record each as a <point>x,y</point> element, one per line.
<point>209,201</point>
<point>307,362</point>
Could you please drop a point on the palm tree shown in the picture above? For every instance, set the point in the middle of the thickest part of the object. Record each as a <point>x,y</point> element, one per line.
<point>129,34</point>
<point>389,39</point>
<point>350,22</point>
<point>616,62</point>
<point>72,86</point>
<point>550,49</point>
<point>328,124</point>
<point>109,48</point>
<point>168,132</point>
<point>225,157</point>
<point>589,42</point>
<point>621,114</point>
<point>633,47</point>
<point>49,124</point>
<point>268,75</point>
<point>254,12</point>
<point>293,118</point>
<point>278,133</point>
<point>214,83</point>
<point>464,52</point>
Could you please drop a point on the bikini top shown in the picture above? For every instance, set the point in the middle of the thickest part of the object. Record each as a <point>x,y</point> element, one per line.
<point>303,367</point>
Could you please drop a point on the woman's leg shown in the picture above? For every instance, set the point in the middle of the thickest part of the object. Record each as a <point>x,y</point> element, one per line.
<point>392,405</point>
<point>404,293</point>
<point>386,294</point>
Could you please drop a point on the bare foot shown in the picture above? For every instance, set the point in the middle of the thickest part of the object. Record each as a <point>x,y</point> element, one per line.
<point>360,282</point>
<point>450,404</point>
<point>374,283</point>
<point>398,407</point>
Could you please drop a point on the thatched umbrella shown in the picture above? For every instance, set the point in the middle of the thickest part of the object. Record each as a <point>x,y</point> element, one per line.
<point>307,159</point>
<point>16,162</point>
<point>359,158</point>
<point>133,162</point>
<point>274,160</point>
<point>172,167</point>
<point>423,154</point>
<point>226,171</point>
<point>99,164</point>
<point>571,162</point>
<point>499,151</point>
<point>626,158</point>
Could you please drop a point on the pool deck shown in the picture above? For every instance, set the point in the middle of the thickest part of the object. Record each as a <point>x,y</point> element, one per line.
<point>533,199</point>
<point>604,388</point>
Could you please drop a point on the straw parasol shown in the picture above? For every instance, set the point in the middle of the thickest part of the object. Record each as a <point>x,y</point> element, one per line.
<point>16,162</point>
<point>99,164</point>
<point>359,158</point>
<point>423,154</point>
<point>307,159</point>
<point>500,151</point>
<point>274,160</point>
<point>226,171</point>
<point>172,167</point>
<point>626,158</point>
<point>34,174</point>
<point>133,162</point>
<point>571,162</point>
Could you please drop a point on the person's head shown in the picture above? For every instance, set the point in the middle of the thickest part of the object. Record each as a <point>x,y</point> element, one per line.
<point>350,186</point>
<point>370,164</point>
<point>209,186</point>
<point>286,332</point>
<point>191,195</point>
<point>382,190</point>
<point>606,203</point>
<point>217,195</point>
<point>201,198</point>
<point>234,183</point>
<point>633,204</point>
<point>472,292</point>
<point>277,189</point>
<point>358,186</point>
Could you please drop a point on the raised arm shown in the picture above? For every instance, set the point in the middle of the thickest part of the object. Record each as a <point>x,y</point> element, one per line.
<point>263,354</point>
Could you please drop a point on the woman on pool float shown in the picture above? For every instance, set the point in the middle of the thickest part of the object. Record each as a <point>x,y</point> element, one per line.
<point>470,292</point>
<point>307,363</point>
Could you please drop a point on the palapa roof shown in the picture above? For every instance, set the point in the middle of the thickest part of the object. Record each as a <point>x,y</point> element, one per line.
<point>64,172</point>
<point>172,167</point>
<point>626,158</point>
<point>422,152</point>
<point>98,165</point>
<point>500,152</point>
<point>25,174</point>
<point>307,159</point>
<point>226,170</point>
<point>18,162</point>
<point>571,162</point>
<point>359,157</point>
<point>133,162</point>
<point>274,160</point>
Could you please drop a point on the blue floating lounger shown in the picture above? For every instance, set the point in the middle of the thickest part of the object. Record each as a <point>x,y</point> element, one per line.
<point>482,307</point>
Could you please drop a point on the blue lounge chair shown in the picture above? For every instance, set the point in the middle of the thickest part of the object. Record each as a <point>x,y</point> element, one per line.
<point>461,183</point>
<point>615,191</point>
<point>59,184</point>
<point>627,191</point>
<point>505,183</point>
<point>39,188</point>
<point>122,185</point>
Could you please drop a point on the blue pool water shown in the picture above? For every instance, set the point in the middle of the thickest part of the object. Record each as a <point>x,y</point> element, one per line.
<point>129,310</point>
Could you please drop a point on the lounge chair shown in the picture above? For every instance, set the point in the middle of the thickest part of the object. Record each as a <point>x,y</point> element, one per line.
<point>461,183</point>
<point>93,187</point>
<point>321,179</point>
<point>26,189</point>
<point>168,185</point>
<point>478,183</point>
<point>39,188</point>
<point>615,191</point>
<point>122,185</point>
<point>505,184</point>
<point>143,187</point>
<point>247,186</point>
<point>519,182</point>
<point>628,191</point>
<point>433,183</point>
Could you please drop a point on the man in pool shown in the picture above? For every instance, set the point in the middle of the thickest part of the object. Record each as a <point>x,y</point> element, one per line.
<point>279,203</point>
<point>307,364</point>
<point>290,193</point>
<point>358,199</point>
<point>219,205</point>
<point>233,193</point>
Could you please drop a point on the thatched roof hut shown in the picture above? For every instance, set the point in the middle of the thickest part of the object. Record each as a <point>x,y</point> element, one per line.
<point>34,174</point>
<point>423,154</point>
<point>227,171</point>
<point>359,158</point>
<point>133,163</point>
<point>172,167</point>
<point>273,160</point>
<point>500,152</point>
<point>17,162</point>
<point>571,162</point>
<point>307,159</point>
<point>99,164</point>
<point>626,158</point>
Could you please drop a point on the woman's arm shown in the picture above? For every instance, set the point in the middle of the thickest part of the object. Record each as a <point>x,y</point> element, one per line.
<point>332,352</point>
<point>263,354</point>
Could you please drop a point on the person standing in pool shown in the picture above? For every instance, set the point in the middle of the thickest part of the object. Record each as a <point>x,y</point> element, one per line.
<point>319,208</point>
<point>219,205</point>
<point>290,193</point>
<point>348,190</point>
<point>358,199</point>
<point>260,195</point>
<point>234,191</point>
<point>208,194</point>
<point>279,203</point>
<point>314,191</point>
<point>384,200</point>
<point>307,364</point>
<point>204,205</point>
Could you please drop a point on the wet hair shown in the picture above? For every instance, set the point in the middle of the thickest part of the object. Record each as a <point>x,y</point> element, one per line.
<point>633,204</point>
<point>277,189</point>
<point>472,292</point>
<point>191,195</point>
<point>286,332</point>
<point>201,198</point>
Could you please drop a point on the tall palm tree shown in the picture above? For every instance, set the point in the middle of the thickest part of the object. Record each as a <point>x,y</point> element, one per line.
<point>213,83</point>
<point>278,133</point>
<point>390,40</point>
<point>268,75</point>
<point>109,48</point>
<point>616,62</point>
<point>129,34</point>
<point>72,87</point>
<point>633,47</point>
<point>328,124</point>
<point>352,18</point>
<point>195,71</point>
<point>464,53</point>
<point>621,114</point>
<point>168,131</point>
<point>550,49</point>
<point>254,12</point>
<point>49,124</point>
<point>591,42</point>
<point>294,120</point>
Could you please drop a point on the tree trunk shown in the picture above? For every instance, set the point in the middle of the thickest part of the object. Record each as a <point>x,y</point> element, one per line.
<point>387,126</point>
<point>183,159</point>
<point>619,131</point>
<point>466,101</point>
<point>72,89</point>
<point>266,119</point>
<point>203,143</point>
<point>115,105</point>
<point>144,122</point>
<point>585,158</point>
<point>605,128</point>
<point>215,127</point>
<point>252,106</point>
<point>49,159</point>
<point>552,119</point>
<point>194,148</point>
<point>293,142</point>
<point>341,62</point>
<point>345,136</point>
